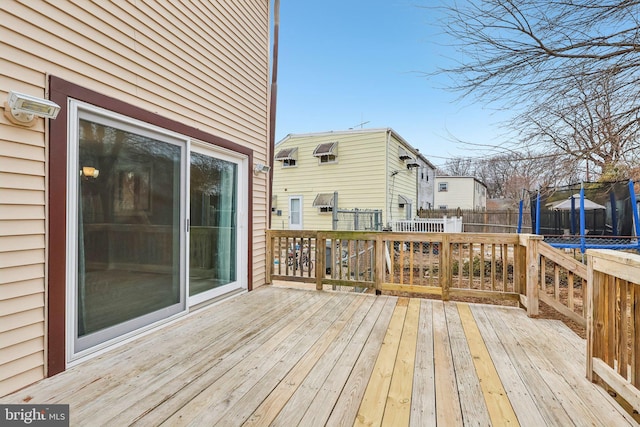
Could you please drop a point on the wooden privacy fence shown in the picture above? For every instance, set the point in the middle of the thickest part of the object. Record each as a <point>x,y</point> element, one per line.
<point>613,322</point>
<point>484,221</point>
<point>500,266</point>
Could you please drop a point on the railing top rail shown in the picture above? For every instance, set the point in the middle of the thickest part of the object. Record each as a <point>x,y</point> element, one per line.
<point>293,233</point>
<point>562,259</point>
<point>623,265</point>
<point>406,236</point>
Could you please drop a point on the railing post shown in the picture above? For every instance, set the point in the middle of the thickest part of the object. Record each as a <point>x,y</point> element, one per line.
<point>270,259</point>
<point>589,302</point>
<point>445,266</point>
<point>531,270</point>
<point>378,272</point>
<point>533,275</point>
<point>520,268</point>
<point>321,259</point>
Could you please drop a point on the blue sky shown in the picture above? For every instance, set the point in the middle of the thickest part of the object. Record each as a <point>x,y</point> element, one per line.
<point>342,63</point>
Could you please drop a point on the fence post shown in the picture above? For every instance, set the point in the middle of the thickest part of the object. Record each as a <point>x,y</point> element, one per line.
<point>445,266</point>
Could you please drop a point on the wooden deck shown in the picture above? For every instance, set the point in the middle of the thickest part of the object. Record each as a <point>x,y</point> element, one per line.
<point>290,357</point>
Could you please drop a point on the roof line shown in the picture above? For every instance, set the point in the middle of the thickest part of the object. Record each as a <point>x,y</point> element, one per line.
<point>411,148</point>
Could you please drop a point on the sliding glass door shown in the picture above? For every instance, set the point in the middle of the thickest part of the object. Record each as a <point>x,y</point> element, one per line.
<point>129,258</point>
<point>213,232</point>
<point>155,223</point>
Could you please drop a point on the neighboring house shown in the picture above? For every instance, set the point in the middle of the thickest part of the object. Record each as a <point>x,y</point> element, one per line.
<point>373,169</point>
<point>463,192</point>
<point>426,182</point>
<point>139,202</point>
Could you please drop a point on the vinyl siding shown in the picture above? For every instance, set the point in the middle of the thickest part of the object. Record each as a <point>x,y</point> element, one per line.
<point>361,176</point>
<point>357,176</point>
<point>201,63</point>
<point>403,183</point>
<point>461,193</point>
<point>22,248</point>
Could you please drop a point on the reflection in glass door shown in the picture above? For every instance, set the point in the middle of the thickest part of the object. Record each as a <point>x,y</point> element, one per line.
<point>152,230</point>
<point>128,229</point>
<point>213,232</point>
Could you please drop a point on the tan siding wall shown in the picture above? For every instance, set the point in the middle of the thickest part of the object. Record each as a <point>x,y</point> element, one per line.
<point>22,248</point>
<point>358,176</point>
<point>202,63</point>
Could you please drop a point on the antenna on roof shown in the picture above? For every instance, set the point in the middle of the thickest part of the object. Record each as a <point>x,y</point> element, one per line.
<point>361,124</point>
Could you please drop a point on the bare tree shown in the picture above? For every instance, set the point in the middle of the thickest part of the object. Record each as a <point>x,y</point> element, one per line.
<point>597,125</point>
<point>457,166</point>
<point>508,175</point>
<point>571,68</point>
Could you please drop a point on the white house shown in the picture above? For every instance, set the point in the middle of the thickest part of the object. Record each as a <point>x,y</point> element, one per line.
<point>463,192</point>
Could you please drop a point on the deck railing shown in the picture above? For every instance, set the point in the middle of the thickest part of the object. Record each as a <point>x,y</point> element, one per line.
<point>613,322</point>
<point>563,283</point>
<point>603,295</point>
<point>499,266</point>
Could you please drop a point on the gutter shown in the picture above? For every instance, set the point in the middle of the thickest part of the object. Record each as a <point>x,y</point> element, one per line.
<point>272,106</point>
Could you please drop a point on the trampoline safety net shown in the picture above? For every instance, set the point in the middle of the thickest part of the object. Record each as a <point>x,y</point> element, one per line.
<point>608,212</point>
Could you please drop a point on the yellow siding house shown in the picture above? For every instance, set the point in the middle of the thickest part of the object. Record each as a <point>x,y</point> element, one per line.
<point>366,169</point>
<point>138,202</point>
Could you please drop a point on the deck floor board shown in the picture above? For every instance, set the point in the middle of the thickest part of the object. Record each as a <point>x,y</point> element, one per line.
<point>288,357</point>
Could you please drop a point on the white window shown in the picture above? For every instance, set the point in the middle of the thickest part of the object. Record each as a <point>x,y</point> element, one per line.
<point>443,186</point>
<point>327,152</point>
<point>329,158</point>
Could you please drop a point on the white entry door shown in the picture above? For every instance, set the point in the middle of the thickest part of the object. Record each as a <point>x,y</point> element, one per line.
<point>295,213</point>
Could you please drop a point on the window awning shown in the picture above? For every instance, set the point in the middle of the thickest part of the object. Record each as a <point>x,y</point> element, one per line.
<point>323,200</point>
<point>327,149</point>
<point>402,153</point>
<point>403,200</point>
<point>287,154</point>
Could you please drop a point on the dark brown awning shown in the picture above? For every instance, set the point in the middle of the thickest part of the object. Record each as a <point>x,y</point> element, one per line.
<point>287,154</point>
<point>326,149</point>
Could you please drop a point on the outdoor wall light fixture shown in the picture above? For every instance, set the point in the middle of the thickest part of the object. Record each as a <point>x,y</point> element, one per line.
<point>89,172</point>
<point>22,109</point>
<point>261,168</point>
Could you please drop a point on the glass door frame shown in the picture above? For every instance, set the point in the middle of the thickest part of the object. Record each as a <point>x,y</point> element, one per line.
<point>79,109</point>
<point>77,348</point>
<point>242,190</point>
<point>296,226</point>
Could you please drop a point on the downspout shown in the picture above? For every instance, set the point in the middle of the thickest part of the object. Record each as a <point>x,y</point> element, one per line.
<point>387,175</point>
<point>272,105</point>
